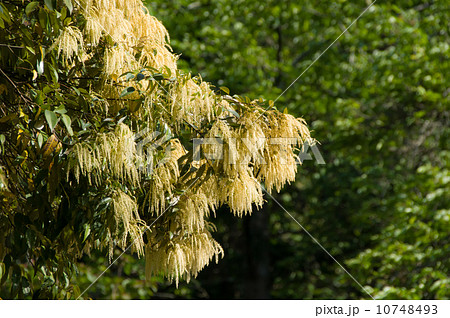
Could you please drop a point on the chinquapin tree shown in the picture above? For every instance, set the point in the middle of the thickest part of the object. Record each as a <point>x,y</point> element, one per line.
<point>97,135</point>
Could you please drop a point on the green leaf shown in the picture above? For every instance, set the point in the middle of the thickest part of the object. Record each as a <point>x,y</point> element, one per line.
<point>168,70</point>
<point>67,21</point>
<point>69,5</point>
<point>61,109</point>
<point>47,89</point>
<point>63,14</point>
<point>53,73</point>
<point>51,118</point>
<point>134,105</point>
<point>157,77</point>
<point>87,231</point>
<point>49,4</point>
<point>40,67</point>
<point>32,51</point>
<point>4,13</point>
<point>30,7</point>
<point>43,18</point>
<point>68,123</point>
<point>7,118</point>
<point>104,203</point>
<point>2,141</point>
<point>127,91</point>
<point>225,89</point>
<point>40,139</point>
<point>232,111</point>
<point>140,77</point>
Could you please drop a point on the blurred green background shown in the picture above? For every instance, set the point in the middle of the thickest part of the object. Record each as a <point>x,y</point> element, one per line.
<point>378,102</point>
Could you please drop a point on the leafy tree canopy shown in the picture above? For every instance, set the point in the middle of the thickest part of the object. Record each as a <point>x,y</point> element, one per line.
<point>96,129</point>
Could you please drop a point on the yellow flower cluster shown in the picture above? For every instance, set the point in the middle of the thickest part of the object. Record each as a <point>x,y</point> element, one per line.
<point>109,154</point>
<point>69,43</point>
<point>165,174</point>
<point>180,244</point>
<point>191,102</point>
<point>128,222</point>
<point>182,258</point>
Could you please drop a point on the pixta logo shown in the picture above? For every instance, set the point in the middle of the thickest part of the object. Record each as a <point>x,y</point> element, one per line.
<point>217,149</point>
<point>153,150</point>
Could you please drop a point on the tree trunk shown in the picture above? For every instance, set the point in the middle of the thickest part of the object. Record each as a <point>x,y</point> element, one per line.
<point>257,281</point>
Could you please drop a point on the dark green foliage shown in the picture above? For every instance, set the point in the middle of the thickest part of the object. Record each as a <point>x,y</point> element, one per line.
<point>39,231</point>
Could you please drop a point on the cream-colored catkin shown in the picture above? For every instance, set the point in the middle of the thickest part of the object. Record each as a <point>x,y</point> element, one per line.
<point>191,103</point>
<point>109,154</point>
<point>182,257</point>
<point>242,192</point>
<point>163,174</point>
<point>128,221</point>
<point>139,39</point>
<point>286,134</point>
<point>69,43</point>
<point>252,139</point>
